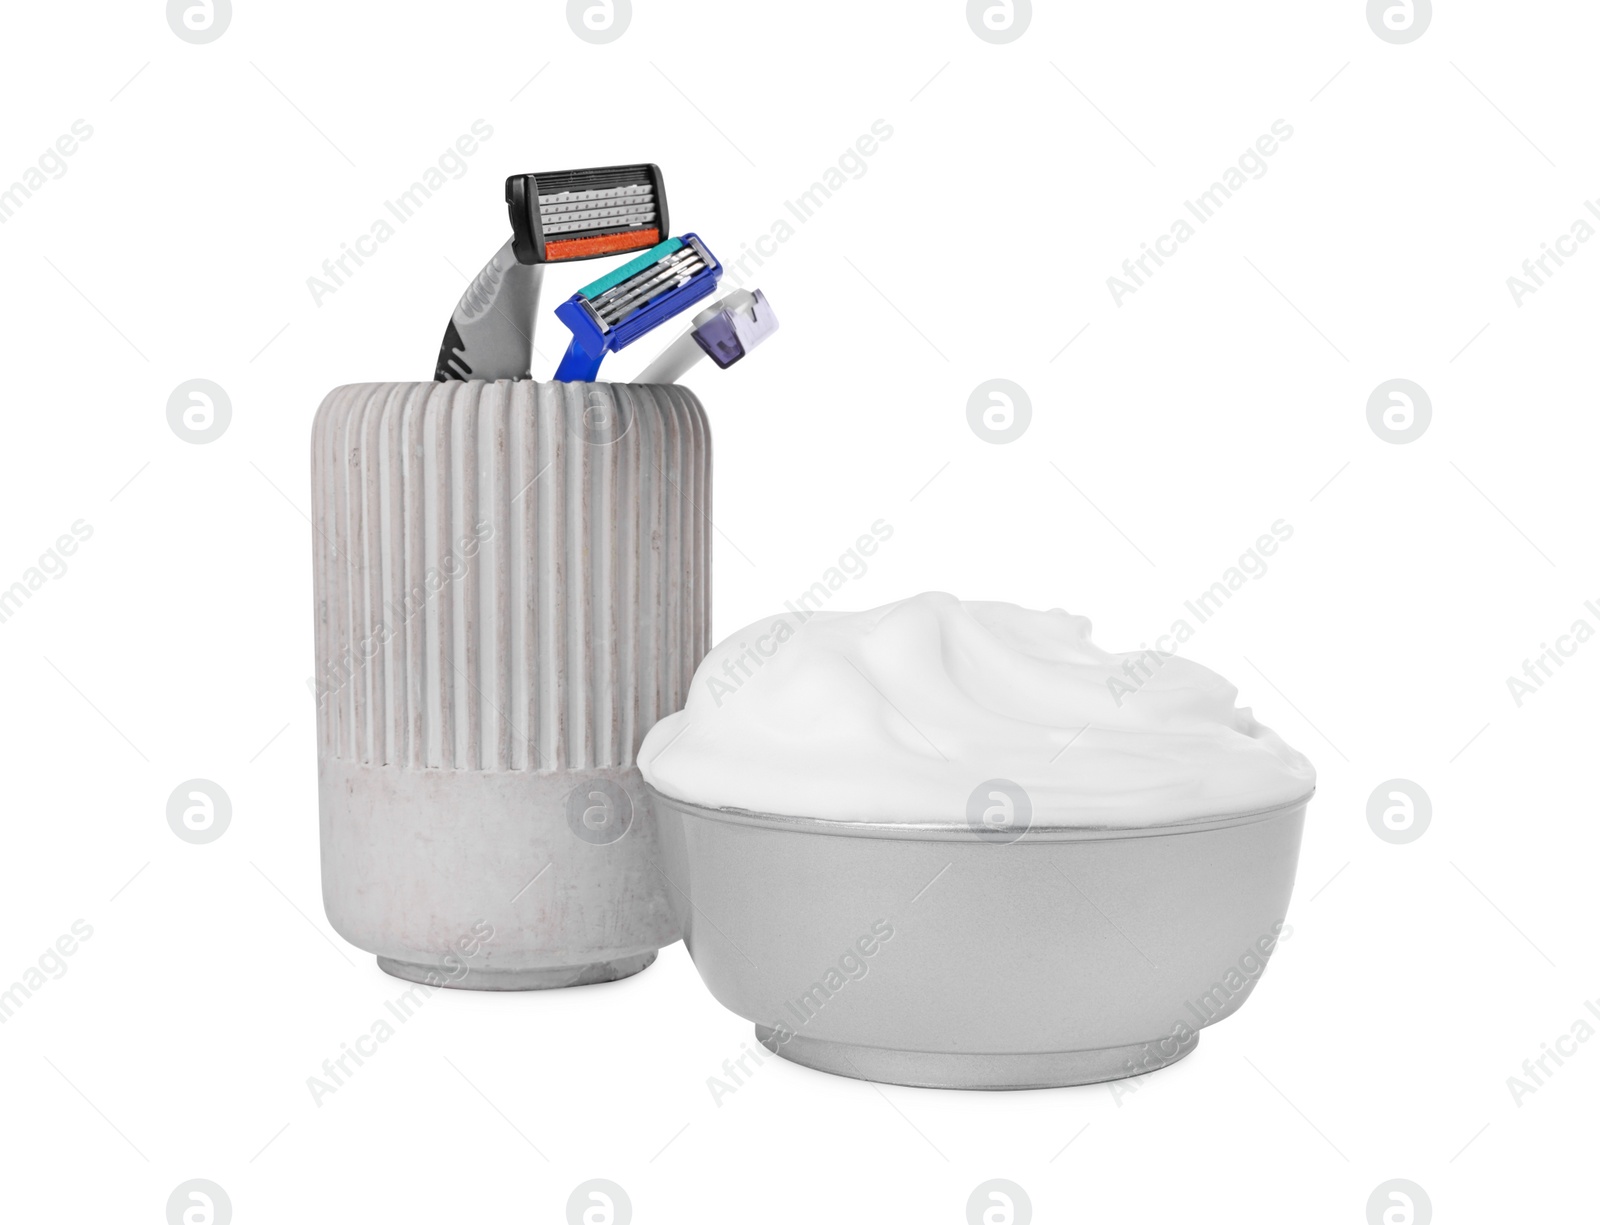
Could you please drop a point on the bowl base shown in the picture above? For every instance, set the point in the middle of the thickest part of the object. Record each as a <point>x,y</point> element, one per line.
<point>542,979</point>
<point>945,1070</point>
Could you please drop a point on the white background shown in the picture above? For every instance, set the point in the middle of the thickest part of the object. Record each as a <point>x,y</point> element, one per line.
<point>1227,393</point>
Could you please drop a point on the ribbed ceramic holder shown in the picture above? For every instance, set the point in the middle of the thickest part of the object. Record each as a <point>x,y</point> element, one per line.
<point>512,585</point>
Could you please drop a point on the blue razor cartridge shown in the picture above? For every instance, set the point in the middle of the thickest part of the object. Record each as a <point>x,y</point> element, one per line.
<point>614,311</point>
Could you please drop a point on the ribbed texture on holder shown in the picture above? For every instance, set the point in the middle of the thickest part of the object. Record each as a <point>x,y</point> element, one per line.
<point>501,582</point>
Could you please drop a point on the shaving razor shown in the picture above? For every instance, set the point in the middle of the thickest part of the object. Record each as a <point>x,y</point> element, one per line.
<point>558,217</point>
<point>614,311</point>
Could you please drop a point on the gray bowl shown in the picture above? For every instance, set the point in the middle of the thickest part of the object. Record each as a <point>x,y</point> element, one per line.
<point>938,956</point>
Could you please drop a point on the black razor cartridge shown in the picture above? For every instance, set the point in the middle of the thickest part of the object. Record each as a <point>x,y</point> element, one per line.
<point>580,214</point>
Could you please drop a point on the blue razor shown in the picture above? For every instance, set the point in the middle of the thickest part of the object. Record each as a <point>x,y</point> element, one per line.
<point>614,311</point>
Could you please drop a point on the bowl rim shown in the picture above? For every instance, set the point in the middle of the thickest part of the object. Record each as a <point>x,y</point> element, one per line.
<point>946,831</point>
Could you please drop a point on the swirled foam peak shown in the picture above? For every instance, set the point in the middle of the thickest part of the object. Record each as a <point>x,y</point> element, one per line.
<point>901,713</point>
